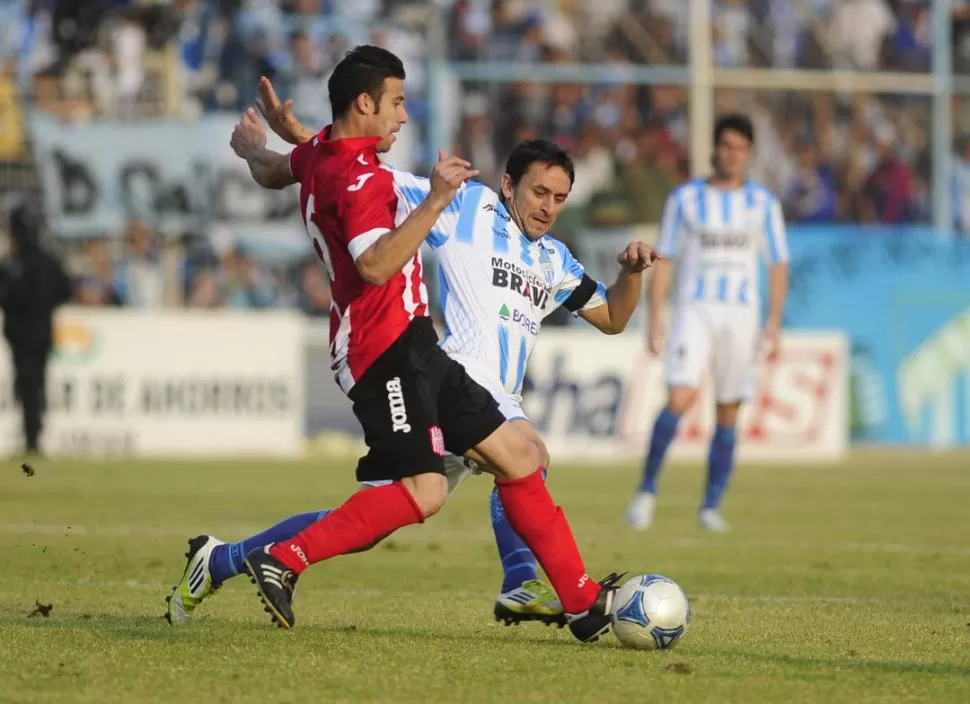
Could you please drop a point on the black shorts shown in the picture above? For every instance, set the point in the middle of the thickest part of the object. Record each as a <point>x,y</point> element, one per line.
<point>414,404</point>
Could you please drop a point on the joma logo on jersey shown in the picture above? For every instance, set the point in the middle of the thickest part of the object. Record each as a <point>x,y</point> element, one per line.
<point>395,400</point>
<point>733,240</point>
<point>527,287</point>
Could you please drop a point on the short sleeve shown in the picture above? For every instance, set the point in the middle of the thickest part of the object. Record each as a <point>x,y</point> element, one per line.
<point>576,290</point>
<point>671,223</point>
<point>369,209</point>
<point>300,159</point>
<point>776,243</point>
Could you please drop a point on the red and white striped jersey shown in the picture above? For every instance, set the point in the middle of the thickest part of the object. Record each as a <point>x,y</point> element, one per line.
<point>348,200</point>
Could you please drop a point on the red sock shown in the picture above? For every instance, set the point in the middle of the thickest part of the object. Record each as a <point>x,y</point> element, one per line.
<point>542,525</point>
<point>361,521</point>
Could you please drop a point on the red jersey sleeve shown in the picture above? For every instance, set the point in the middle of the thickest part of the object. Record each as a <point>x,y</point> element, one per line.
<point>300,159</point>
<point>369,208</point>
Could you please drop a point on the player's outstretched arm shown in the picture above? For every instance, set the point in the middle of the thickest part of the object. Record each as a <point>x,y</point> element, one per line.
<point>279,116</point>
<point>268,168</point>
<point>392,250</point>
<point>622,297</point>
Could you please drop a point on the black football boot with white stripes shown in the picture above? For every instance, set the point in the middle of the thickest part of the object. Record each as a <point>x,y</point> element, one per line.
<point>597,619</point>
<point>275,583</point>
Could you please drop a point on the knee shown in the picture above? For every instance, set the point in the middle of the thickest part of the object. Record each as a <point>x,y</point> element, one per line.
<point>681,400</point>
<point>430,492</point>
<point>727,414</point>
<point>528,456</point>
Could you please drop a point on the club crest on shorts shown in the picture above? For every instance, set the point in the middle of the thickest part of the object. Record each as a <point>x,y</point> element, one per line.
<point>437,440</point>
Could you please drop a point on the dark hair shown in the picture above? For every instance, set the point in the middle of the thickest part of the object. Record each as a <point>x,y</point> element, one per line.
<point>542,151</point>
<point>362,70</point>
<point>735,122</point>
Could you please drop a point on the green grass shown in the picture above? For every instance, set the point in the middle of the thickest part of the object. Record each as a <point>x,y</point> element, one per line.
<point>849,583</point>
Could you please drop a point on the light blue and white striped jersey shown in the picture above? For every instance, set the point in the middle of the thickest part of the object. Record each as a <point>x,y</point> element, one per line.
<point>717,236</point>
<point>496,285</point>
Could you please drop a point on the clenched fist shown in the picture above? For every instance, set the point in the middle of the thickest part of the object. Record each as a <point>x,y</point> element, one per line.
<point>249,135</point>
<point>637,257</point>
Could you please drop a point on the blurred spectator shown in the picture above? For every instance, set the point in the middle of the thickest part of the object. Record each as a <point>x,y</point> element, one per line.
<point>246,286</point>
<point>206,291</point>
<point>594,166</point>
<point>887,194</point>
<point>960,187</point>
<point>305,79</point>
<point>12,135</point>
<point>859,32</point>
<point>652,173</point>
<point>811,196</point>
<point>139,278</point>
<point>475,140</point>
<point>314,296</point>
<point>98,285</point>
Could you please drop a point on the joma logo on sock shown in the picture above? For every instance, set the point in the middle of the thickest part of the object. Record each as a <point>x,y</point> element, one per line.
<point>299,553</point>
<point>399,413</point>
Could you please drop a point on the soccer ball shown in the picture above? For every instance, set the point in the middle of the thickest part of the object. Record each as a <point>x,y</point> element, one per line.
<point>650,612</point>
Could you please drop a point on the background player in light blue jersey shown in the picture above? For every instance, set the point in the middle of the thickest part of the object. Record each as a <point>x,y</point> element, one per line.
<point>500,276</point>
<point>717,230</point>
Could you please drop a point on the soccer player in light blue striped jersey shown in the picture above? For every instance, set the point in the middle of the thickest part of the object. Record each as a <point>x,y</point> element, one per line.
<point>500,275</point>
<point>716,230</point>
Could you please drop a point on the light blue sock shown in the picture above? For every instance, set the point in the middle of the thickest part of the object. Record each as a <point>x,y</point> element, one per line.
<point>664,432</point>
<point>720,462</point>
<point>227,560</point>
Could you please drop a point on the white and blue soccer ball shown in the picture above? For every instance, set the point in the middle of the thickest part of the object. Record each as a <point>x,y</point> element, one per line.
<point>650,612</point>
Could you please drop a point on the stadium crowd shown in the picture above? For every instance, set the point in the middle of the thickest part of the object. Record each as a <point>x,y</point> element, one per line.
<point>831,157</point>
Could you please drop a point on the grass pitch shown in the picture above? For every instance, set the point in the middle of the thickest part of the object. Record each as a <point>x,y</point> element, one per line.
<point>841,584</point>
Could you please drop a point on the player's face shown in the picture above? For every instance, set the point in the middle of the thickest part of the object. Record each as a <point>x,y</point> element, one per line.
<point>538,199</point>
<point>390,115</point>
<point>732,155</point>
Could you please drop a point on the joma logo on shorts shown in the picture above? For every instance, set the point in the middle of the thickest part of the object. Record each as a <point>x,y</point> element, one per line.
<point>399,413</point>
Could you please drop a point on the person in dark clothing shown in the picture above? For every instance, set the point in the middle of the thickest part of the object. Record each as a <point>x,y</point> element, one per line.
<point>32,285</point>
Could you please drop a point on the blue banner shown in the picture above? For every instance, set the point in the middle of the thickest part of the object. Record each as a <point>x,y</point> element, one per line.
<point>902,295</point>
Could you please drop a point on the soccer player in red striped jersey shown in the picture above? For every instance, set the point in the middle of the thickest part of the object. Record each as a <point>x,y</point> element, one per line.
<point>413,402</point>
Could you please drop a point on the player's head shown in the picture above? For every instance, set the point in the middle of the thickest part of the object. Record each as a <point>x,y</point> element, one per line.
<point>733,140</point>
<point>367,89</point>
<point>537,180</point>
<point>24,225</point>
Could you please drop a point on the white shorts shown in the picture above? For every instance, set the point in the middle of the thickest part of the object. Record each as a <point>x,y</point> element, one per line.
<point>726,335</point>
<point>457,469</point>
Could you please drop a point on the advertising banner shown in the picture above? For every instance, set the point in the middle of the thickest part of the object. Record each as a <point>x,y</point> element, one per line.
<point>902,298</point>
<point>594,396</point>
<point>190,384</point>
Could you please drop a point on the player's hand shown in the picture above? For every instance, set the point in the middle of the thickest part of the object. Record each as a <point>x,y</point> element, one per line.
<point>655,338</point>
<point>447,176</point>
<point>771,341</point>
<point>637,257</point>
<point>279,116</point>
<point>249,135</point>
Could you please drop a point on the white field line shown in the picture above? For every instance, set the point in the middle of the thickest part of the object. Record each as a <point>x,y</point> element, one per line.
<point>450,535</point>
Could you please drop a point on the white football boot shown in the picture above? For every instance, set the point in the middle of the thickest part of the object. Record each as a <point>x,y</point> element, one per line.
<point>711,520</point>
<point>196,583</point>
<point>640,513</point>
